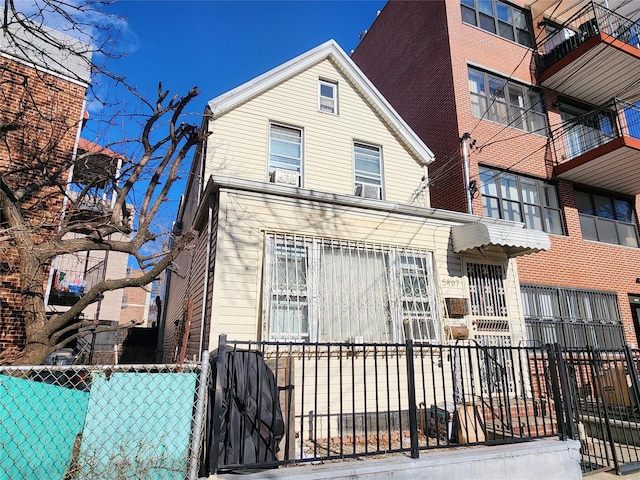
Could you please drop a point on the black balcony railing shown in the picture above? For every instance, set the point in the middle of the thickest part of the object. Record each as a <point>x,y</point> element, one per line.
<point>587,132</point>
<point>587,22</point>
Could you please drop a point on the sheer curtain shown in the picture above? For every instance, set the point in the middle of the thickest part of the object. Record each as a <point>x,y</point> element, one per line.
<point>353,294</point>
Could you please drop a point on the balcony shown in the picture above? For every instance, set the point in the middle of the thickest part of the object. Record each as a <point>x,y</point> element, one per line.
<point>602,149</point>
<point>92,191</point>
<point>593,56</point>
<point>73,276</point>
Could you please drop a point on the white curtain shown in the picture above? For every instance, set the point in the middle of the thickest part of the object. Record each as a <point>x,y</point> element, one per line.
<point>353,295</point>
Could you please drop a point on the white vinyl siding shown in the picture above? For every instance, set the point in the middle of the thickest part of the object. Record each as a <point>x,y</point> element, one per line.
<point>239,281</point>
<point>239,145</point>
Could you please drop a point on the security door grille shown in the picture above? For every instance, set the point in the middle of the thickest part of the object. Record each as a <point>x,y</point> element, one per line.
<point>487,297</point>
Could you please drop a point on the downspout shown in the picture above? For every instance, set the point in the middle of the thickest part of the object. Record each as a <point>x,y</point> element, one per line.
<point>465,163</point>
<point>205,291</point>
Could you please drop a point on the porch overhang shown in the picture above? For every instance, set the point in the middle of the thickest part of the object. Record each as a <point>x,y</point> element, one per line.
<point>515,240</point>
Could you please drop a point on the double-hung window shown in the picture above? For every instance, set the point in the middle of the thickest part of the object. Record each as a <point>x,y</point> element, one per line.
<point>328,96</point>
<point>608,219</point>
<point>500,18</point>
<point>335,290</point>
<point>285,153</point>
<point>520,199</point>
<point>368,170</point>
<point>506,102</point>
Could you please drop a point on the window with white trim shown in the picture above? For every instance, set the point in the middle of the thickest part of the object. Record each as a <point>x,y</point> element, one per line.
<point>327,96</point>
<point>368,170</point>
<point>285,152</point>
<point>333,290</point>
<point>506,102</point>
<point>520,199</point>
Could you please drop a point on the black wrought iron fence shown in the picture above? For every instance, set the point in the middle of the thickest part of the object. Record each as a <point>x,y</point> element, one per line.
<point>597,395</point>
<point>271,404</point>
<point>334,401</point>
<point>102,422</point>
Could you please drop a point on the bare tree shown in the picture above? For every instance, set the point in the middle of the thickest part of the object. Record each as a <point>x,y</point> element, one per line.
<point>53,197</point>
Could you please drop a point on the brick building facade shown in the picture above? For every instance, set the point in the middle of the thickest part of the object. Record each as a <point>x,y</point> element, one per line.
<point>43,93</point>
<point>547,145</point>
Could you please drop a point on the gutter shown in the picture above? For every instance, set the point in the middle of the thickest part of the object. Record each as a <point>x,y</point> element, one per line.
<point>216,183</point>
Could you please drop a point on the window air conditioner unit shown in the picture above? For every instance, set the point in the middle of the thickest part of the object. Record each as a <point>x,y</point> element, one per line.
<point>368,191</point>
<point>284,177</point>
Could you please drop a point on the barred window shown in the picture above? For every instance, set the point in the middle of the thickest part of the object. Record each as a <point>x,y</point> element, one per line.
<point>574,318</point>
<point>335,290</point>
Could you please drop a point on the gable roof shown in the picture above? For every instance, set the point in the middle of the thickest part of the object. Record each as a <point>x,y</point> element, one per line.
<point>332,51</point>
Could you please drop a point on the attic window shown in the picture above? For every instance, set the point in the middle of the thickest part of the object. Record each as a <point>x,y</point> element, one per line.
<point>328,96</point>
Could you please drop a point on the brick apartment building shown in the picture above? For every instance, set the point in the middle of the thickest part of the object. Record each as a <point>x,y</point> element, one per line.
<point>136,302</point>
<point>539,100</point>
<point>43,91</point>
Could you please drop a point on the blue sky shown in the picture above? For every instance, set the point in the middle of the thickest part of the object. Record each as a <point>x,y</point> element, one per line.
<point>218,45</point>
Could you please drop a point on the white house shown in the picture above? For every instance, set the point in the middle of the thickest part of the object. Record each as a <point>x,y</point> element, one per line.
<point>311,203</point>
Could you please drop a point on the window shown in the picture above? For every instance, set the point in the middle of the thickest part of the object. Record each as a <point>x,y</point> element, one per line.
<point>368,170</point>
<point>334,290</point>
<point>285,151</point>
<point>521,199</point>
<point>507,21</point>
<point>509,103</point>
<point>608,219</point>
<point>328,96</point>
<point>574,318</point>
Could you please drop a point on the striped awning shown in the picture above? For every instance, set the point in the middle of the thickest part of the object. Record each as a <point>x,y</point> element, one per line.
<point>514,239</point>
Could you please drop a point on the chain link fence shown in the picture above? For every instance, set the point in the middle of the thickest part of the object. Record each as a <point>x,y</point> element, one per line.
<point>102,422</point>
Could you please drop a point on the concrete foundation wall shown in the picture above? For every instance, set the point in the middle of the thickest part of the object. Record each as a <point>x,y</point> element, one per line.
<point>549,458</point>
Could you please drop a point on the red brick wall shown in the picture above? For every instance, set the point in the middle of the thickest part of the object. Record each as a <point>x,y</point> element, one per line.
<point>137,301</point>
<point>406,54</point>
<point>417,54</point>
<point>46,111</point>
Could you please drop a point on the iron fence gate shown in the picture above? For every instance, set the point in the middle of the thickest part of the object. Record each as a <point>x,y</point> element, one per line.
<point>596,399</point>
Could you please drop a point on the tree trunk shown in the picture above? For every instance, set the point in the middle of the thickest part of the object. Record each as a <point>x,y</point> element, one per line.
<point>38,342</point>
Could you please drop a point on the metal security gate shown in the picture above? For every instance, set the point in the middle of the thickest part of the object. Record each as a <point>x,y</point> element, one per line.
<point>596,395</point>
